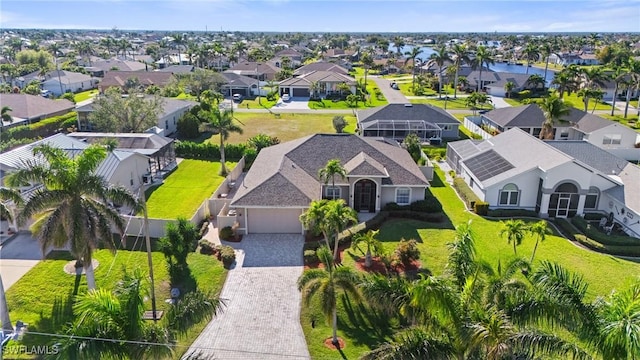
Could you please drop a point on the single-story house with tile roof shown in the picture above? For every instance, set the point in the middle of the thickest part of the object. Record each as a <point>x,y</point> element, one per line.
<point>179,69</point>
<point>396,121</point>
<point>263,71</point>
<point>328,81</point>
<point>556,179</point>
<point>145,79</point>
<point>239,84</point>
<point>320,66</point>
<point>32,108</point>
<point>578,125</point>
<point>172,111</point>
<point>67,81</point>
<point>120,167</point>
<point>493,82</point>
<point>100,67</point>
<point>283,180</point>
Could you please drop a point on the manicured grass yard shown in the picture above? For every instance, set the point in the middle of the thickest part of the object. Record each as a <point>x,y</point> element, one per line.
<point>253,103</point>
<point>363,329</point>
<point>85,95</point>
<point>285,126</point>
<point>185,189</point>
<point>33,298</point>
<point>452,104</point>
<point>630,121</point>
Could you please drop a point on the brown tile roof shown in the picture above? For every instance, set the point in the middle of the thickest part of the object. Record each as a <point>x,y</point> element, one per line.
<point>146,78</point>
<point>25,106</point>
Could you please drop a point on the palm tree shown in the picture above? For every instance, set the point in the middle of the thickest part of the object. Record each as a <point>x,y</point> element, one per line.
<point>413,55</point>
<point>508,88</point>
<point>566,81</point>
<point>633,67</point>
<point>539,230</point>
<point>546,49</point>
<point>6,197</point>
<point>460,56</point>
<point>222,122</point>
<point>314,219</point>
<point>369,240</point>
<point>618,77</point>
<point>532,54</point>
<point>554,109</point>
<point>592,78</point>
<point>72,205</point>
<point>338,216</point>
<point>367,62</point>
<point>483,57</point>
<point>535,81</point>
<point>326,283</point>
<point>514,230</point>
<point>5,114</point>
<point>439,58</point>
<point>398,43</point>
<point>178,41</point>
<point>329,171</point>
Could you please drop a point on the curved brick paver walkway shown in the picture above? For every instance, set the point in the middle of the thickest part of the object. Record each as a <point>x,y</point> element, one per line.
<point>262,318</point>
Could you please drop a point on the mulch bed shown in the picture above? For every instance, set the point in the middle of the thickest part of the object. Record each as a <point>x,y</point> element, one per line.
<point>329,344</point>
<point>378,267</point>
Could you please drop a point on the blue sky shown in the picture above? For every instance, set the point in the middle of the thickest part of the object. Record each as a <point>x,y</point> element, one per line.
<point>326,16</point>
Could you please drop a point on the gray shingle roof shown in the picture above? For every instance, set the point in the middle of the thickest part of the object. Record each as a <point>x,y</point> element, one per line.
<point>532,116</point>
<point>320,66</point>
<point>363,164</point>
<point>25,106</point>
<point>234,79</point>
<point>318,76</point>
<point>125,140</point>
<point>286,175</point>
<point>591,155</point>
<point>146,78</point>
<point>66,77</point>
<point>414,112</point>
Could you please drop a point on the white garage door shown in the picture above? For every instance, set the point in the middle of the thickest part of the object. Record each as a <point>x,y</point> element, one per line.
<point>274,221</point>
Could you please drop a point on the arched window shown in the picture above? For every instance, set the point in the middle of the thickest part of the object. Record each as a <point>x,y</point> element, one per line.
<point>591,201</point>
<point>509,195</point>
<point>567,188</point>
<point>564,201</point>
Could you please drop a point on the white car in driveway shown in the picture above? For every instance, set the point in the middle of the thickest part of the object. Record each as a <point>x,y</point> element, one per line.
<point>286,97</point>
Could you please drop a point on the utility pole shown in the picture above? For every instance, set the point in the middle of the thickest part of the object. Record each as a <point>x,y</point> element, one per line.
<point>143,199</point>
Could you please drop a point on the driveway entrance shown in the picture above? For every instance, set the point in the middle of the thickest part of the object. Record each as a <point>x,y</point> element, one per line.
<point>261,319</point>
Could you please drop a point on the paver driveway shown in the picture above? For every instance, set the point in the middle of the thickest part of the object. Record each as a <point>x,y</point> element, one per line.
<point>261,319</point>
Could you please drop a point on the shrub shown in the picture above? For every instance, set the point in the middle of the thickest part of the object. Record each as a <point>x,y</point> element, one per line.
<point>206,247</point>
<point>481,208</point>
<point>392,206</point>
<point>250,155</point>
<point>596,235</point>
<point>428,205</point>
<point>406,252</point>
<point>208,151</point>
<point>226,255</point>
<point>310,256</point>
<point>311,245</point>
<point>465,192</point>
<point>203,228</point>
<point>226,233</point>
<point>525,94</point>
<point>189,126</point>
<point>512,213</point>
<point>43,128</point>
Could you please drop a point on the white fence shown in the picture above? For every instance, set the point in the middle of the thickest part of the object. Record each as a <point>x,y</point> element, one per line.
<point>470,124</point>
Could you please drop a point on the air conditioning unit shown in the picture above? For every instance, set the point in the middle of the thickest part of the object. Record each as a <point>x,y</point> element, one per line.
<point>147,179</point>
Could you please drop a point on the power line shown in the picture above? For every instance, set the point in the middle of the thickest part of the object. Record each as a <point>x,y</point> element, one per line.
<point>135,342</point>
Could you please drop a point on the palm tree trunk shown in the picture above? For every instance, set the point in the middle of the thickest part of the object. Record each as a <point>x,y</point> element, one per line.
<point>455,85</point>
<point>586,103</point>
<point>440,83</point>
<point>515,252</point>
<point>335,248</point>
<point>223,167</point>
<point>626,107</point>
<point>334,339</point>
<point>88,270</point>
<point>4,310</point>
<point>480,79</point>
<point>546,66</point>
<point>615,95</point>
<point>535,247</point>
<point>528,63</point>
<point>367,258</point>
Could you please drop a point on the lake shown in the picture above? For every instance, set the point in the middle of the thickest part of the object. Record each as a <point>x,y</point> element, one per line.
<point>499,67</point>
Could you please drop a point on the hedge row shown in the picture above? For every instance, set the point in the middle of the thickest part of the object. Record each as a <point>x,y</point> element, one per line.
<point>428,205</point>
<point>602,238</point>
<point>40,129</point>
<point>465,192</point>
<point>512,213</point>
<point>208,151</point>
<point>573,233</point>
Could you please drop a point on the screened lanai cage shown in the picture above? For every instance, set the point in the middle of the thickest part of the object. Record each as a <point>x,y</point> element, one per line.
<point>399,129</point>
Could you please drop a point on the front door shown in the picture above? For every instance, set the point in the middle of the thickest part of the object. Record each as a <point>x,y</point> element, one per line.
<point>364,196</point>
<point>563,207</point>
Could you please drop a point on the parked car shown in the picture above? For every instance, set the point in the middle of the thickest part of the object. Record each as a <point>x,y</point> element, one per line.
<point>237,98</point>
<point>46,93</point>
<point>394,85</point>
<point>286,97</point>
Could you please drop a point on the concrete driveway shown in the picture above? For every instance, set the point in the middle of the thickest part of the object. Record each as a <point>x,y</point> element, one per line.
<point>262,315</point>
<point>17,257</point>
<point>393,96</point>
<point>296,103</point>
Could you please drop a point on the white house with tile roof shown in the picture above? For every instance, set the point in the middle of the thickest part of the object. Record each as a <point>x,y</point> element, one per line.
<point>557,179</point>
<point>283,180</point>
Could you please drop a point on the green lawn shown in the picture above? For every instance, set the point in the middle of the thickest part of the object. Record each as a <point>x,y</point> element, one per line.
<point>452,104</point>
<point>253,103</point>
<point>33,298</point>
<point>85,95</point>
<point>285,126</point>
<point>577,102</point>
<point>630,121</point>
<point>185,189</point>
<point>184,96</point>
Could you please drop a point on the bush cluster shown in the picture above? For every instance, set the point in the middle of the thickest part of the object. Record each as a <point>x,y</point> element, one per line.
<point>428,205</point>
<point>40,129</point>
<point>512,213</point>
<point>310,256</point>
<point>600,237</point>
<point>206,247</point>
<point>406,252</point>
<point>481,208</point>
<point>465,192</point>
<point>225,254</point>
<point>208,151</point>
<point>226,233</point>
<point>614,245</point>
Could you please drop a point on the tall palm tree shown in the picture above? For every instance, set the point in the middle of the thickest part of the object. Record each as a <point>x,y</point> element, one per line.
<point>566,81</point>
<point>222,122</point>
<point>591,79</point>
<point>5,114</point>
<point>460,56</point>
<point>633,67</point>
<point>413,55</point>
<point>179,40</point>
<point>618,77</point>
<point>338,216</point>
<point>71,207</point>
<point>514,230</point>
<point>546,49</point>
<point>398,43</point>
<point>329,172</point>
<point>367,62</point>
<point>483,57</point>
<point>370,241</point>
<point>554,109</point>
<point>540,231</point>
<point>531,54</point>
<point>439,58</point>
<point>314,219</point>
<point>325,283</point>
